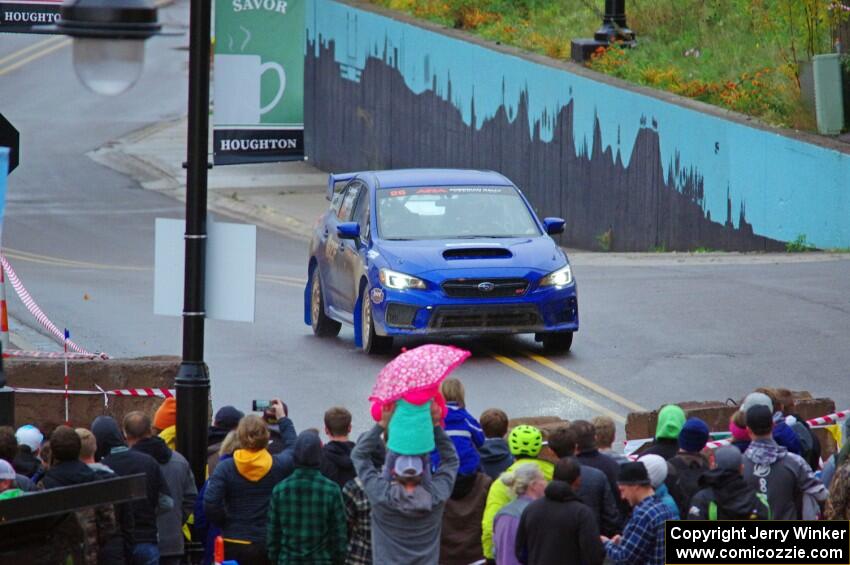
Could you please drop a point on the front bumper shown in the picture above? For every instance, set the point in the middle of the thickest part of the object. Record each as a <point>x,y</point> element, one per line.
<point>431,312</point>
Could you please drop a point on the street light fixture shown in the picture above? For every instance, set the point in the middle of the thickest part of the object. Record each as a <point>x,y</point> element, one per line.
<point>113,34</point>
<point>109,41</point>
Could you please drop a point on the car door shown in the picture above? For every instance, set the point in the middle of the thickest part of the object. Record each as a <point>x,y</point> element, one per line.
<point>351,251</point>
<point>338,280</point>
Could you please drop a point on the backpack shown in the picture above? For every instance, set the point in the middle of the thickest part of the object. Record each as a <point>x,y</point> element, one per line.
<point>712,509</point>
<point>687,475</point>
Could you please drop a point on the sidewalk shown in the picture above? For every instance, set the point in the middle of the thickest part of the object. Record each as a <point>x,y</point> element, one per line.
<point>285,197</point>
<point>288,197</point>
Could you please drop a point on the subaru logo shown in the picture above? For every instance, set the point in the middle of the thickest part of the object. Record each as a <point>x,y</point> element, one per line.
<point>486,287</point>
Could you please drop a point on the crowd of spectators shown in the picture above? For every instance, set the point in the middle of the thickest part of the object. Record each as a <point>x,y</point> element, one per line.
<point>483,492</point>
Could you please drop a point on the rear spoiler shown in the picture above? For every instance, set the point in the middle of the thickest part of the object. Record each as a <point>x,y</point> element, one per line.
<point>335,178</point>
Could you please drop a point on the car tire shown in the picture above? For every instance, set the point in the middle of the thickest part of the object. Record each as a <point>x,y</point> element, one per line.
<point>371,343</point>
<point>557,342</point>
<point>322,325</point>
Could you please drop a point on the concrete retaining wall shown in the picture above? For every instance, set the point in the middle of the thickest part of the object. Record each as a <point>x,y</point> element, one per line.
<point>649,168</point>
<point>48,410</point>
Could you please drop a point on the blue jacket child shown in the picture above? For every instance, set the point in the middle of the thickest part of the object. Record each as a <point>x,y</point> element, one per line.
<point>463,429</point>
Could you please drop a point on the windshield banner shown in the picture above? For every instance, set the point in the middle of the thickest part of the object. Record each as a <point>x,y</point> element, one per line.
<point>258,79</point>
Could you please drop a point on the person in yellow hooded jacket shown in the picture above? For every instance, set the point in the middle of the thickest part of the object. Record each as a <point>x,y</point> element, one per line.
<point>237,495</point>
<point>525,443</point>
<point>165,422</point>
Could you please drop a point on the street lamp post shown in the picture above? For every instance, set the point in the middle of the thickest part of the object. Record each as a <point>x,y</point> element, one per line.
<point>613,29</point>
<point>108,55</point>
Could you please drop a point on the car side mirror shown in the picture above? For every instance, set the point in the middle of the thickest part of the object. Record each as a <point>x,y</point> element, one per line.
<point>348,230</point>
<point>554,226</point>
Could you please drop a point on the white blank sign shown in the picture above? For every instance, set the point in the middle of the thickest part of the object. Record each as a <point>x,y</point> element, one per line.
<point>231,270</point>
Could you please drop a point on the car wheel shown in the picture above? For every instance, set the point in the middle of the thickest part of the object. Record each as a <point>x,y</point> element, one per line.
<point>557,342</point>
<point>322,325</point>
<point>372,343</point>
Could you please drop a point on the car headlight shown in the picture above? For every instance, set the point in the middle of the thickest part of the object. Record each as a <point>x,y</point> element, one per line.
<point>399,281</point>
<point>561,277</point>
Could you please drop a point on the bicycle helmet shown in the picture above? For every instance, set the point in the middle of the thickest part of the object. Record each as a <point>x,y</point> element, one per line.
<point>525,440</point>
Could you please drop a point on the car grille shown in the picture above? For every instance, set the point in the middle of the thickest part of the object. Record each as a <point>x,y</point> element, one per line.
<point>400,315</point>
<point>489,317</point>
<point>472,288</point>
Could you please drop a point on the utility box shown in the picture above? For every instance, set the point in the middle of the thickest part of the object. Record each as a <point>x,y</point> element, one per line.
<point>829,97</point>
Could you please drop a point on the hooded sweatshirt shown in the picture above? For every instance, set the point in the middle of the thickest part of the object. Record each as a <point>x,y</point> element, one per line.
<point>671,418</point>
<point>495,456</point>
<point>784,477</point>
<point>405,525</point>
<point>181,483</point>
<point>117,456</point>
<point>336,462</point>
<point>238,492</point>
<point>558,528</point>
<point>732,496</point>
<point>467,435</point>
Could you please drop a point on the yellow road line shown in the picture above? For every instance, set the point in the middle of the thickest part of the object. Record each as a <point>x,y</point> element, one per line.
<point>560,388</point>
<point>272,279</point>
<point>285,278</point>
<point>549,364</point>
<point>28,48</point>
<point>37,55</point>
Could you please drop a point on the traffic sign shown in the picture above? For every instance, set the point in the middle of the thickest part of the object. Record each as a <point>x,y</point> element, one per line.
<point>9,138</point>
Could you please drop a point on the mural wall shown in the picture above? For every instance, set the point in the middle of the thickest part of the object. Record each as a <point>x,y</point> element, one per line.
<point>382,93</point>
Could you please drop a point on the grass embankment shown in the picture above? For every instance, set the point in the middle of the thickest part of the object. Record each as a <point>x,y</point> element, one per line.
<point>737,54</point>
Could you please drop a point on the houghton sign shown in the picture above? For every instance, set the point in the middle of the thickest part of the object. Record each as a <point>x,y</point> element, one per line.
<point>21,16</point>
<point>258,74</point>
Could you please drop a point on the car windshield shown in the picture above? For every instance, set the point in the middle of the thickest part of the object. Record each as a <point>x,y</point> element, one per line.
<point>451,212</point>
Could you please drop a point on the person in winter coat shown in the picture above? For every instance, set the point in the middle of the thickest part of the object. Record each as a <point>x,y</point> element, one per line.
<point>99,524</point>
<point>358,514</point>
<point>202,529</point>
<point>494,452</point>
<point>114,453</point>
<point>306,518</point>
<point>8,452</point>
<point>725,495</point>
<point>120,548</point>
<point>605,431</point>
<point>657,468</point>
<point>838,504</point>
<point>407,512</point>
<point>782,432</point>
<point>460,537</point>
<point>225,421</point>
<point>642,542</point>
<point>525,442</point>
<point>783,476</point>
<point>689,464</point>
<point>594,489</point>
<point>179,478</point>
<point>671,418</point>
<point>336,454</point>
<point>527,483</point>
<point>26,460</point>
<point>462,427</point>
<point>589,456</point>
<point>238,493</point>
<point>559,528</point>
<point>810,448</point>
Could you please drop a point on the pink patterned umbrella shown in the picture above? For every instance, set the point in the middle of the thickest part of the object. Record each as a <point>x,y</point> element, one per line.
<point>415,370</point>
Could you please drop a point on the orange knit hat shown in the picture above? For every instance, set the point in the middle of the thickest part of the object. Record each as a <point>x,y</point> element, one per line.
<point>166,415</point>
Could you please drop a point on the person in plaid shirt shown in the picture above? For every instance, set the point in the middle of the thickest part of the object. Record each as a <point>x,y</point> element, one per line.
<point>306,516</point>
<point>642,541</point>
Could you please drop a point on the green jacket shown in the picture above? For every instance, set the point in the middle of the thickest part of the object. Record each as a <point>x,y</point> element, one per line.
<point>306,520</point>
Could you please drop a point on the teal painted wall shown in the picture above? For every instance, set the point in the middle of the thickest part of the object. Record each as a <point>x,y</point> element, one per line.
<point>787,187</point>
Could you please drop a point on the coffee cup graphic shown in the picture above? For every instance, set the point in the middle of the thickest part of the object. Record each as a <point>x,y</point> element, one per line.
<point>238,91</point>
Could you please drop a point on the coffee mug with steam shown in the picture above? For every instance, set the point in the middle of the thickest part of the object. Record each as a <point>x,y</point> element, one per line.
<point>237,92</point>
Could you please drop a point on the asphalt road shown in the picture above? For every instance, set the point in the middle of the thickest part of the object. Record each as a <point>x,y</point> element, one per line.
<point>654,330</point>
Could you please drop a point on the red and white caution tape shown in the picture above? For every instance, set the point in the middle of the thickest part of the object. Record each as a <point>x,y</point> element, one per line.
<point>42,318</point>
<point>829,419</point>
<point>48,354</point>
<point>158,392</point>
<point>138,392</point>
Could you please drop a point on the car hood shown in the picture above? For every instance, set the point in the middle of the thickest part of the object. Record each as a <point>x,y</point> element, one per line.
<point>421,257</point>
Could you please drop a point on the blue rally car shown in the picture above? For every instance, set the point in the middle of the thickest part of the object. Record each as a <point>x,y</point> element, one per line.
<point>437,252</point>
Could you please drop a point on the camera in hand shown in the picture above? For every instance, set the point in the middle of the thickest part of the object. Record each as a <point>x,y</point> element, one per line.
<point>261,405</point>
